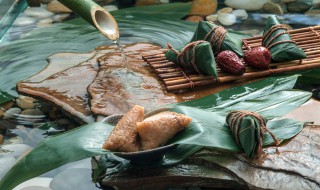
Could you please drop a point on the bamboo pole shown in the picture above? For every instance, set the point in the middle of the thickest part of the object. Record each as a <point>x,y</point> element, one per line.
<point>95,15</point>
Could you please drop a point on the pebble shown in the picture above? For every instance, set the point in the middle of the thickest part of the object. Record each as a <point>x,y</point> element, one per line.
<point>45,1</point>
<point>275,8</point>
<point>316,3</point>
<point>45,22</point>
<point>15,150</point>
<point>60,17</point>
<point>241,14</point>
<point>15,140</point>
<point>32,112</point>
<point>25,102</point>
<point>45,107</point>
<point>74,178</point>
<point>226,10</point>
<point>37,181</point>
<point>164,1</point>
<point>24,21</point>
<point>212,18</point>
<point>313,12</point>
<point>36,188</point>
<point>110,8</point>
<point>38,12</point>
<point>194,18</point>
<point>249,5</point>
<point>11,113</point>
<point>288,1</point>
<point>298,7</point>
<point>1,139</point>
<point>203,7</point>
<point>5,106</point>
<point>227,19</point>
<point>57,7</point>
<point>5,164</point>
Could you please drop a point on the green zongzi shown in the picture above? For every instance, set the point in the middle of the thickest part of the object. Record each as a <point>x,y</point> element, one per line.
<point>277,39</point>
<point>219,38</point>
<point>248,128</point>
<point>197,56</point>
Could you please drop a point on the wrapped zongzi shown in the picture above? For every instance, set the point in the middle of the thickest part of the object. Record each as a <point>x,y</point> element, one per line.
<point>277,39</point>
<point>248,128</point>
<point>197,56</point>
<point>219,38</point>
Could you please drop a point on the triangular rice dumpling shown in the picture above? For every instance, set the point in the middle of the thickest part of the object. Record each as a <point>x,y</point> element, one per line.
<point>124,136</point>
<point>278,41</point>
<point>248,129</point>
<point>197,56</point>
<point>219,38</point>
<point>158,129</point>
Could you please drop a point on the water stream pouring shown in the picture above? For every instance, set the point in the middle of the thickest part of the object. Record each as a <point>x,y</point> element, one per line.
<point>95,15</point>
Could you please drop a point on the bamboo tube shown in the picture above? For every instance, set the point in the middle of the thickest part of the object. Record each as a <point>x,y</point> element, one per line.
<point>95,15</point>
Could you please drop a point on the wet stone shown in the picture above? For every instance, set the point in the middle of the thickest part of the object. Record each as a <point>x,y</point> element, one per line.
<point>11,113</point>
<point>275,8</point>
<point>24,21</point>
<point>57,7</point>
<point>75,178</point>
<point>212,18</point>
<point>45,22</point>
<point>227,19</point>
<point>298,7</point>
<point>38,12</point>
<point>241,14</point>
<point>225,10</point>
<point>25,102</point>
<point>110,8</point>
<point>249,5</point>
<point>316,3</point>
<point>313,12</point>
<point>14,140</point>
<point>203,7</point>
<point>31,112</point>
<point>15,150</point>
<point>1,139</point>
<point>60,17</point>
<point>41,183</point>
<point>5,164</point>
<point>194,19</point>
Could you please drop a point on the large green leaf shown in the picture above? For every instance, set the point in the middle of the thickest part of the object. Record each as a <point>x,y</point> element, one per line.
<point>26,56</point>
<point>206,130</point>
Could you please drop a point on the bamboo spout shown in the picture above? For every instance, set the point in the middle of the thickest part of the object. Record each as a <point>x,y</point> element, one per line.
<point>95,15</point>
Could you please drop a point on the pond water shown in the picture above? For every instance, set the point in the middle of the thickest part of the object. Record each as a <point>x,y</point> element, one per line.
<point>26,121</point>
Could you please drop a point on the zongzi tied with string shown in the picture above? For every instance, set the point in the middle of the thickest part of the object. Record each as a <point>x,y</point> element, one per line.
<point>277,39</point>
<point>196,56</point>
<point>219,38</point>
<point>248,129</point>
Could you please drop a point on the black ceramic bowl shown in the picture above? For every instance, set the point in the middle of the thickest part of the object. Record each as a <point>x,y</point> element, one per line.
<point>140,157</point>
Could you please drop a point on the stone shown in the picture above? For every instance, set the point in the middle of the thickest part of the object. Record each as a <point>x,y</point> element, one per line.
<point>316,3</point>
<point>60,17</point>
<point>288,1</point>
<point>313,12</point>
<point>32,112</point>
<point>227,19</point>
<point>164,1</point>
<point>5,164</point>
<point>45,1</point>
<point>225,10</point>
<point>194,18</point>
<point>38,182</point>
<point>38,12</point>
<point>15,140</point>
<point>146,2</point>
<point>1,139</point>
<point>45,22</point>
<point>24,21</point>
<point>241,14</point>
<point>249,5</point>
<point>74,178</point>
<point>15,150</point>
<point>26,102</point>
<point>275,8</point>
<point>203,7</point>
<point>110,8</point>
<point>298,7</point>
<point>57,7</point>
<point>212,18</point>
<point>36,188</point>
<point>11,113</point>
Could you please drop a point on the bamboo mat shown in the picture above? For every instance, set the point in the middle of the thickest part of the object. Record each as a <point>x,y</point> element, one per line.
<point>175,78</point>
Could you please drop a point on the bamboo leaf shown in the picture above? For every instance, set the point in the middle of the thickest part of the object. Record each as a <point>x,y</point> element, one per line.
<point>207,129</point>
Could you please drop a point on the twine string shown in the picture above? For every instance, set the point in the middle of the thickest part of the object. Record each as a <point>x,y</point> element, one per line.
<point>216,35</point>
<point>236,118</point>
<point>273,29</point>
